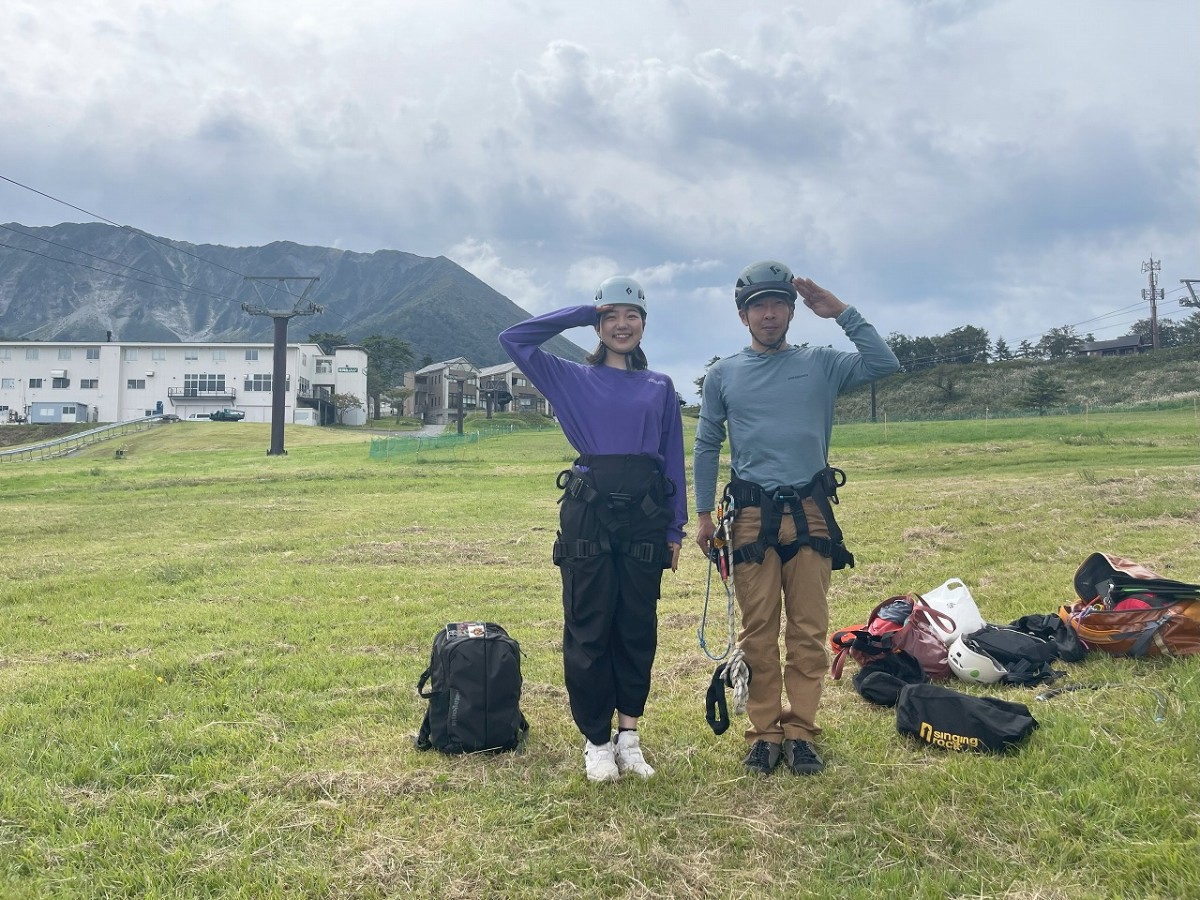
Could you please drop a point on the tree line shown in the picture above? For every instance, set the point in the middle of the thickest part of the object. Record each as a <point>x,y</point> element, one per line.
<point>969,344</point>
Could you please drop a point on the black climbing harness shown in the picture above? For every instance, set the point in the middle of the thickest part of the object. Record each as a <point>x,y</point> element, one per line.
<point>614,509</point>
<point>773,504</point>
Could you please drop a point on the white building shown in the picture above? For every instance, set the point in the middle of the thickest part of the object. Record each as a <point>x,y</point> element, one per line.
<point>51,381</point>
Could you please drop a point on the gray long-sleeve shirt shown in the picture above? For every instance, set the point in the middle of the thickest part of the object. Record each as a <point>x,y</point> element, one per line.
<point>778,408</point>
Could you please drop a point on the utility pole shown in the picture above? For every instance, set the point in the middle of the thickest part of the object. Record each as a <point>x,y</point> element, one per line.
<point>279,364</point>
<point>1154,293</point>
<point>462,389</point>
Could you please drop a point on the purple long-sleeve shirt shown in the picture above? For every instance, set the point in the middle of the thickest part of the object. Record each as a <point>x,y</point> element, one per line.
<point>604,410</point>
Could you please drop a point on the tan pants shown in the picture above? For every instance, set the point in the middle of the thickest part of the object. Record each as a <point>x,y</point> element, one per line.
<point>797,590</point>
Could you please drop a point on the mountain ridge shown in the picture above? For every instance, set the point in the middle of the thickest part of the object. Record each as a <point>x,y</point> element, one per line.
<point>79,281</point>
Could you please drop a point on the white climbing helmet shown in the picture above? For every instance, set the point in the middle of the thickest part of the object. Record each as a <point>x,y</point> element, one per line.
<point>974,665</point>
<point>622,290</point>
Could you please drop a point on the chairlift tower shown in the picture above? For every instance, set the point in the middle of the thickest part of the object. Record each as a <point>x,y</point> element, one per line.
<point>1190,284</point>
<point>279,364</point>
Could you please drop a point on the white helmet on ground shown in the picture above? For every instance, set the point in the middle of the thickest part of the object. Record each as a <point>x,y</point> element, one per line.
<point>974,665</point>
<point>622,290</point>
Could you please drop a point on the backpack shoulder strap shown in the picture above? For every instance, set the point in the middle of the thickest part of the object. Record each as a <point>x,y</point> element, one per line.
<point>422,741</point>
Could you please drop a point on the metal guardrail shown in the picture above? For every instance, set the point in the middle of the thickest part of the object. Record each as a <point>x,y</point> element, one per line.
<point>64,446</point>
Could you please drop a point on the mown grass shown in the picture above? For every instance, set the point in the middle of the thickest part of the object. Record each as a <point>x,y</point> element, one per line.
<point>210,655</point>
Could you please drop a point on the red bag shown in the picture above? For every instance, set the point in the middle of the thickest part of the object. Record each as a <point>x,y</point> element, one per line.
<point>879,637</point>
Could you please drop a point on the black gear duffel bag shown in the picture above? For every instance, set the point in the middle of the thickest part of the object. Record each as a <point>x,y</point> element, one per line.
<point>952,720</point>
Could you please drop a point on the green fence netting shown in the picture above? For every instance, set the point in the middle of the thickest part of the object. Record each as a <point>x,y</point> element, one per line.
<point>411,444</point>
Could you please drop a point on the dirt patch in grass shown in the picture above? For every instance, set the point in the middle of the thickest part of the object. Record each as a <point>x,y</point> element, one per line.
<point>925,539</point>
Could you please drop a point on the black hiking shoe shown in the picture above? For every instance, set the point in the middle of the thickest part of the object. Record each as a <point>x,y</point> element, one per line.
<point>801,757</point>
<point>763,758</point>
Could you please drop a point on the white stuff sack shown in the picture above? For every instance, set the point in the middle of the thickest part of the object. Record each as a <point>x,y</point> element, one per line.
<point>954,599</point>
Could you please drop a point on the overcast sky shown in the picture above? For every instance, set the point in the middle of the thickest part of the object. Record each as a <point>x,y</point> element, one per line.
<point>938,163</point>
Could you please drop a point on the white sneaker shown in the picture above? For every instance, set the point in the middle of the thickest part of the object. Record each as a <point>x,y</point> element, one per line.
<point>598,758</point>
<point>629,755</point>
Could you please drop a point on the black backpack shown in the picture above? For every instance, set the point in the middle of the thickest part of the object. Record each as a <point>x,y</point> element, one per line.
<point>1026,657</point>
<point>474,695</point>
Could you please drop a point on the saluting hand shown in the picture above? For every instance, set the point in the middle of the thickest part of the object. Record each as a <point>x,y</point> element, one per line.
<point>823,303</point>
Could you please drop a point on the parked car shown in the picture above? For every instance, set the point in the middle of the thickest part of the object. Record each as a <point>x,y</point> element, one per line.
<point>227,415</point>
<point>197,417</point>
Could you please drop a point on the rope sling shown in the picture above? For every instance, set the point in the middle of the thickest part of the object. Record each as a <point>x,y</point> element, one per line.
<point>734,671</point>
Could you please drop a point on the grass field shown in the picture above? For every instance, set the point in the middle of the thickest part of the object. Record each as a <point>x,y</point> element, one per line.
<point>210,657</point>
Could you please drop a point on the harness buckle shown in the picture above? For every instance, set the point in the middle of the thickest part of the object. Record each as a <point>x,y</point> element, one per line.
<point>618,502</point>
<point>783,495</point>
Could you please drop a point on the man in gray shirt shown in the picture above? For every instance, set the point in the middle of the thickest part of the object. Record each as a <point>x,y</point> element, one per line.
<point>777,402</point>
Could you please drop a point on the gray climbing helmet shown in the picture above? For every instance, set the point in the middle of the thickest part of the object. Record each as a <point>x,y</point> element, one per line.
<point>765,277</point>
<point>623,290</point>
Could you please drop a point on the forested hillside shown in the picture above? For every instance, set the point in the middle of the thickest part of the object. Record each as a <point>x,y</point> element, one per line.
<point>1030,387</point>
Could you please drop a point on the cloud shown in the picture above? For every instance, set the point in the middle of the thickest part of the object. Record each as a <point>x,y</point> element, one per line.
<point>519,285</point>
<point>1004,163</point>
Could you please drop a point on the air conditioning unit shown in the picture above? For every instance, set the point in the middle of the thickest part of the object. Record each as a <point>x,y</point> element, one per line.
<point>58,373</point>
<point>149,374</point>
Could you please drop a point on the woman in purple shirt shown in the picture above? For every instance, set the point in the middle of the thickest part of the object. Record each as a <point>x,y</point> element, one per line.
<point>622,514</point>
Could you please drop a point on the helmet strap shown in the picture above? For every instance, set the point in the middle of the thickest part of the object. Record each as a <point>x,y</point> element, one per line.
<point>628,357</point>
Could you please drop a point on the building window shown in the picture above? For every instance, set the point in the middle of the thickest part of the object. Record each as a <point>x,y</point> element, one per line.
<point>258,383</point>
<point>5,353</point>
<point>35,382</point>
<point>68,410</point>
<point>64,352</point>
<point>136,384</point>
<point>31,353</point>
<point>218,356</point>
<point>324,366</point>
<point>93,352</point>
<point>194,384</point>
<point>131,354</point>
<point>158,355</point>
<point>89,384</point>
<point>191,353</point>
<point>7,384</point>
<point>60,383</point>
<point>251,356</point>
<point>518,381</point>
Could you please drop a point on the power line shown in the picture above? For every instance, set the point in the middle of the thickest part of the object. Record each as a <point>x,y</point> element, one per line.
<point>143,234</point>
<point>119,225</point>
<point>187,287</point>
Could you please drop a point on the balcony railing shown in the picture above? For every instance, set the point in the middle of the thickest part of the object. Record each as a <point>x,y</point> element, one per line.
<point>196,395</point>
